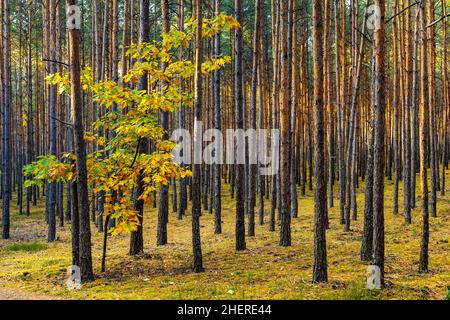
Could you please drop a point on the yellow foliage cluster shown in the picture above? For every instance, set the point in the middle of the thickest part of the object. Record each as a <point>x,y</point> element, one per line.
<point>117,166</point>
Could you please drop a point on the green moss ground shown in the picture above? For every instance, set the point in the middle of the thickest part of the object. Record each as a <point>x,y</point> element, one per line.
<point>264,271</point>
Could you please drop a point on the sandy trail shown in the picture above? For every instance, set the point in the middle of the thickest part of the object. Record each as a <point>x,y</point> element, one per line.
<point>17,294</point>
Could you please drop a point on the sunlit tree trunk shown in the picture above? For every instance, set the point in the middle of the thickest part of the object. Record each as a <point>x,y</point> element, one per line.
<point>446,99</point>
<point>415,109</point>
<point>424,133</point>
<point>433,158</point>
<point>407,123</point>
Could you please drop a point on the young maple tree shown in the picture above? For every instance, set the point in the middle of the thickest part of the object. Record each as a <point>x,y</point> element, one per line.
<point>116,163</point>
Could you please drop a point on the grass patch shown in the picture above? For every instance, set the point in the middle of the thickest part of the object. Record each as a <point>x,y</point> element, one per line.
<point>358,292</point>
<point>34,246</point>
<point>263,271</point>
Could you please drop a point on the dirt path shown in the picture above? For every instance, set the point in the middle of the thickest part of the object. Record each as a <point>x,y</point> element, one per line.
<point>17,294</point>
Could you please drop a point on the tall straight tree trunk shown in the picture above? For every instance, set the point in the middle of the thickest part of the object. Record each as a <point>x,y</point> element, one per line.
<point>293,96</point>
<point>367,241</point>
<point>284,206</point>
<point>80,151</point>
<point>379,143</point>
<point>339,65</point>
<point>2,95</point>
<point>351,143</point>
<point>424,121</point>
<point>30,122</point>
<point>396,109</point>
<point>182,119</point>
<point>274,106</point>
<point>137,239</point>
<point>320,186</point>
<point>197,172</point>
<point>415,109</point>
<point>329,102</point>
<point>163,191</point>
<point>434,165</point>
<point>217,126</point>
<point>6,170</point>
<point>407,123</point>
<point>262,190</point>
<point>253,167</point>
<point>446,99</point>
<point>239,100</point>
<point>19,101</point>
<point>51,187</point>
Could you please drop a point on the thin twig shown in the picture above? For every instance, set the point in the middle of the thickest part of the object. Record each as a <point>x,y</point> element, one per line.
<point>438,20</point>
<point>136,152</point>
<point>63,122</point>
<point>58,62</point>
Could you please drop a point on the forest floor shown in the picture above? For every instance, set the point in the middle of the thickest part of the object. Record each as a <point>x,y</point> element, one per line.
<point>18,294</point>
<point>263,271</point>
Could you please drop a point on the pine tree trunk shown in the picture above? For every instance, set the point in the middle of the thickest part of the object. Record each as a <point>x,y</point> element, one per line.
<point>217,126</point>
<point>424,133</point>
<point>414,120</point>
<point>182,120</point>
<point>163,191</point>
<point>137,238</point>
<point>284,205</point>
<point>407,124</point>
<point>80,151</point>
<point>6,85</point>
<point>197,172</point>
<point>30,122</point>
<point>320,186</point>
<point>379,143</point>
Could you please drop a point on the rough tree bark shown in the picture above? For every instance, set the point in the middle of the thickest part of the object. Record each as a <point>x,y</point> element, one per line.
<point>239,100</point>
<point>285,171</point>
<point>320,187</point>
<point>197,172</point>
<point>424,121</point>
<point>163,191</point>
<point>137,239</point>
<point>6,85</point>
<point>217,126</point>
<point>379,143</point>
<point>80,150</point>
